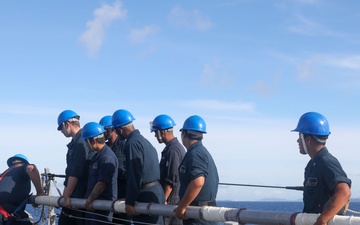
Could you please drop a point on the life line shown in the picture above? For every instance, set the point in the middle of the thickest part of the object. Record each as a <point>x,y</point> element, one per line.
<point>4,173</point>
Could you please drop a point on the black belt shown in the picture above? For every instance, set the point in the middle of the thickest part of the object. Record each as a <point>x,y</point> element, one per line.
<point>144,186</point>
<point>203,203</point>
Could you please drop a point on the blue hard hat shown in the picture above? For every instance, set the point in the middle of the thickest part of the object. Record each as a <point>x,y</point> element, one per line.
<point>195,123</point>
<point>106,122</point>
<point>162,122</point>
<point>313,123</point>
<point>20,157</point>
<point>65,116</point>
<point>92,129</point>
<point>121,117</point>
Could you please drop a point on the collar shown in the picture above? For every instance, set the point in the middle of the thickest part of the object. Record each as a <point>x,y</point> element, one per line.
<point>133,133</point>
<point>172,141</point>
<point>196,144</point>
<point>100,152</point>
<point>320,154</point>
<point>77,138</point>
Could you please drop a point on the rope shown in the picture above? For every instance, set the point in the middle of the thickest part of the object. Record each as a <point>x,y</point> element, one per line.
<point>353,211</point>
<point>101,215</point>
<point>297,188</point>
<point>41,214</point>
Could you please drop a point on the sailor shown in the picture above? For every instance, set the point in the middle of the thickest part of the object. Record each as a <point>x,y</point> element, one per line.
<point>198,173</point>
<point>103,173</point>
<point>142,168</point>
<point>76,167</point>
<point>171,157</point>
<point>117,145</point>
<point>326,185</point>
<point>15,187</point>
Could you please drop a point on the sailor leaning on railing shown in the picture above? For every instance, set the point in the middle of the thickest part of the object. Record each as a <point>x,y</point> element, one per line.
<point>15,186</point>
<point>326,186</point>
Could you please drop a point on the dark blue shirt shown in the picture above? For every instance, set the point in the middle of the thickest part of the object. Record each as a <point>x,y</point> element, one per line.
<point>104,168</point>
<point>171,157</point>
<point>142,166</point>
<point>15,187</point>
<point>118,149</point>
<point>196,163</point>
<point>321,176</point>
<point>77,165</point>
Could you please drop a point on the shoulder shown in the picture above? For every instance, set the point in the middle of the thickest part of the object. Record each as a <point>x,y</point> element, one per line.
<point>328,160</point>
<point>30,168</point>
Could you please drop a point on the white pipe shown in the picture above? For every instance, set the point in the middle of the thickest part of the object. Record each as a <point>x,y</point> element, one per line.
<point>218,214</point>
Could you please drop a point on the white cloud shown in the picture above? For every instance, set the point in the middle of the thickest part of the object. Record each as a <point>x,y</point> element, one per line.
<point>334,71</point>
<point>329,62</point>
<point>308,27</point>
<point>209,104</point>
<point>349,62</point>
<point>213,74</point>
<point>24,109</point>
<point>139,35</point>
<point>192,19</point>
<point>93,37</point>
<point>308,2</point>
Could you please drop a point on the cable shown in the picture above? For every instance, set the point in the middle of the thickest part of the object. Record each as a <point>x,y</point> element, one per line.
<point>297,188</point>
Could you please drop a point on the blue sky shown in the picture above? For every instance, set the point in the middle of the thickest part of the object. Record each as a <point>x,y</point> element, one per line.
<point>249,68</point>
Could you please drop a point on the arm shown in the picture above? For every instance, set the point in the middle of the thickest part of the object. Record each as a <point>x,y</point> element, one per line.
<point>340,198</point>
<point>172,173</point>
<point>191,192</point>
<point>72,181</point>
<point>134,161</point>
<point>95,193</point>
<point>167,191</point>
<point>76,169</point>
<point>34,175</point>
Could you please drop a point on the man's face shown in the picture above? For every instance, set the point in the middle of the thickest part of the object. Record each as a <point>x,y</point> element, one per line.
<point>65,129</point>
<point>107,133</point>
<point>120,133</point>
<point>183,137</point>
<point>158,135</point>
<point>89,145</point>
<point>301,142</point>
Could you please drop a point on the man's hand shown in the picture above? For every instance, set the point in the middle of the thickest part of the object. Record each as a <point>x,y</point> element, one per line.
<point>130,210</point>
<point>88,206</point>
<point>180,213</point>
<point>67,202</point>
<point>39,194</point>
<point>320,221</point>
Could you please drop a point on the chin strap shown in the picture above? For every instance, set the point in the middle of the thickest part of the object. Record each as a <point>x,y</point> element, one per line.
<point>158,132</point>
<point>303,143</point>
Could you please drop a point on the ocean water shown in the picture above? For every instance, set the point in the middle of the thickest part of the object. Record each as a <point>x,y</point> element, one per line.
<point>275,206</point>
<point>279,206</point>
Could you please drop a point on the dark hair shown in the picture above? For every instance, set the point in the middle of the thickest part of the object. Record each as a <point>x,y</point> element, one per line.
<point>320,139</point>
<point>194,135</point>
<point>100,140</point>
<point>75,123</point>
